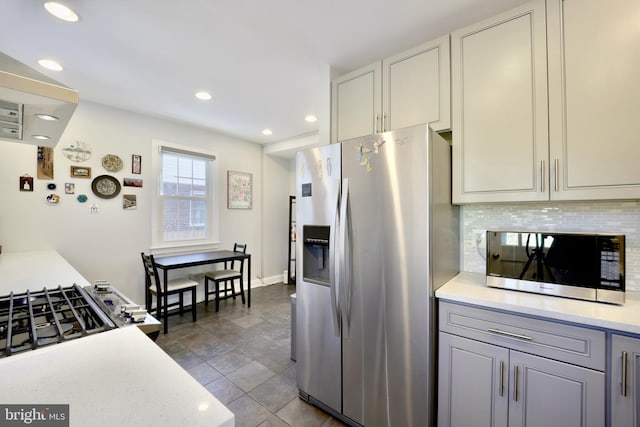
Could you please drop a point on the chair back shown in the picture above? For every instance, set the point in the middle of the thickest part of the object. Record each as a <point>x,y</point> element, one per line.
<point>239,247</point>
<point>151,272</point>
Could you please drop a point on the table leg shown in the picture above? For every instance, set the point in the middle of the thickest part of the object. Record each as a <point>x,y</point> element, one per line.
<point>249,282</point>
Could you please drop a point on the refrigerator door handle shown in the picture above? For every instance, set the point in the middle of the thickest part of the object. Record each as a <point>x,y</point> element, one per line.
<point>334,271</point>
<point>345,258</point>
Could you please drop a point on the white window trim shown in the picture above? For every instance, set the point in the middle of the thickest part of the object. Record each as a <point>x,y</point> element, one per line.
<point>158,246</point>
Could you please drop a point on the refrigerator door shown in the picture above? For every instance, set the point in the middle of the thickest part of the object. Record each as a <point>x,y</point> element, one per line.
<point>364,382</point>
<point>318,355</point>
<point>406,212</point>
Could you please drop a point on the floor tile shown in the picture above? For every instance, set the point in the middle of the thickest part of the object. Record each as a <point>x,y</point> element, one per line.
<point>224,390</point>
<point>250,376</point>
<point>248,412</point>
<point>204,373</point>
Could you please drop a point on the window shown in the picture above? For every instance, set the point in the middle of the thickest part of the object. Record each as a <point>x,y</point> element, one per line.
<point>185,203</point>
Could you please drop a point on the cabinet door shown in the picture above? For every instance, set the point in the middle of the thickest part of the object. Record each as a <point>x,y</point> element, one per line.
<point>499,99</point>
<point>472,383</point>
<point>625,389</point>
<point>545,393</point>
<point>356,103</point>
<point>594,98</point>
<point>416,87</point>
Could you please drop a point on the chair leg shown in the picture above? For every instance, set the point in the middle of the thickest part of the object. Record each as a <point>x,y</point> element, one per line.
<point>166,313</point>
<point>242,290</point>
<point>181,298</point>
<point>193,303</point>
<point>217,295</point>
<point>232,288</point>
<point>206,291</point>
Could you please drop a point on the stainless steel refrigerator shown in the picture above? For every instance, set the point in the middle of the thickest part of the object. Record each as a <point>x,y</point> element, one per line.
<point>378,235</point>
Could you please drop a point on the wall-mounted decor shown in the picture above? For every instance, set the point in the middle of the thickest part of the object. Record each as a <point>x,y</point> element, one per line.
<point>53,199</point>
<point>132,182</point>
<point>45,163</point>
<point>136,164</point>
<point>112,163</point>
<point>51,186</point>
<point>105,186</point>
<point>82,198</point>
<point>129,202</point>
<point>77,151</point>
<point>26,183</point>
<point>69,188</point>
<point>239,190</point>
<point>80,172</point>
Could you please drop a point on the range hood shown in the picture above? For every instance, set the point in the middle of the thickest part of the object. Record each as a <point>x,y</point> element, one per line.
<point>34,109</point>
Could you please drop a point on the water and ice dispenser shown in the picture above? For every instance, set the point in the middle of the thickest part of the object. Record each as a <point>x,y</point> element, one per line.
<point>315,254</point>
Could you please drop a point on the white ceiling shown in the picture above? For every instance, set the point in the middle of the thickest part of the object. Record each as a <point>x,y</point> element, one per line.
<point>266,62</point>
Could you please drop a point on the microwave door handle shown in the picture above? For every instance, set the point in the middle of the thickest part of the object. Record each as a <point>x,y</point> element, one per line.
<point>334,257</point>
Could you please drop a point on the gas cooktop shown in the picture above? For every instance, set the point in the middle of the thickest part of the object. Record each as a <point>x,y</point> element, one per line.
<point>34,319</point>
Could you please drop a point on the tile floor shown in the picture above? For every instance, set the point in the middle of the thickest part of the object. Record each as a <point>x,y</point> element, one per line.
<point>242,356</point>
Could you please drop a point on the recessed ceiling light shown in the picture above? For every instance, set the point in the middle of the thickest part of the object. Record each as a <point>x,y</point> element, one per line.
<point>40,137</point>
<point>310,118</point>
<point>203,95</point>
<point>61,11</point>
<point>267,132</point>
<point>50,64</point>
<point>47,117</point>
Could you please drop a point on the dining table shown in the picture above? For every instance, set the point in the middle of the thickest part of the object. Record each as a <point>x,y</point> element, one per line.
<point>173,262</point>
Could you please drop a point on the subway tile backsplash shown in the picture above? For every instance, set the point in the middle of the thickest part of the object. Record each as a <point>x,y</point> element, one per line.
<point>592,217</point>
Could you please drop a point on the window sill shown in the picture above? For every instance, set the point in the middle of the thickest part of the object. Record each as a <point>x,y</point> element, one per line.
<point>183,248</point>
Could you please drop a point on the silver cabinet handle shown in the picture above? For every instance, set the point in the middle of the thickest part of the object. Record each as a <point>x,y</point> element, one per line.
<point>516,371</point>
<point>510,334</point>
<point>557,173</point>
<point>542,176</point>
<point>501,378</point>
<point>625,372</point>
<point>377,123</point>
<point>384,119</point>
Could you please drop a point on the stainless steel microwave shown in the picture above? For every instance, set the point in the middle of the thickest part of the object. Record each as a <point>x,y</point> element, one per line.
<point>573,265</point>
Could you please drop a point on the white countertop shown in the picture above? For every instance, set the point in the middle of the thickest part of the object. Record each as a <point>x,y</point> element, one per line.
<point>114,378</point>
<point>34,270</point>
<point>471,288</point>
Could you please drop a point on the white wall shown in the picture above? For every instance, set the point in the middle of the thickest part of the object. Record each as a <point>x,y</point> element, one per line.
<point>107,245</point>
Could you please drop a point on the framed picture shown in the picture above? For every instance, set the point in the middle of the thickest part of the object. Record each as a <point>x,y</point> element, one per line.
<point>69,188</point>
<point>239,190</point>
<point>132,182</point>
<point>136,164</point>
<point>26,183</point>
<point>80,172</point>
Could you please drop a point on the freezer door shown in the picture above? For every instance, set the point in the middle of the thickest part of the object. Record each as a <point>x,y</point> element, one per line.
<point>318,363</point>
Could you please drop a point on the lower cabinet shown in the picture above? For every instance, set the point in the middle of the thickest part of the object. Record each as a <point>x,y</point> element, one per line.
<point>497,381</point>
<point>625,386</point>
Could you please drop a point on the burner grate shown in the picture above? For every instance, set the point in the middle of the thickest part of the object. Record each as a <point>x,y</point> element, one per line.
<point>32,320</point>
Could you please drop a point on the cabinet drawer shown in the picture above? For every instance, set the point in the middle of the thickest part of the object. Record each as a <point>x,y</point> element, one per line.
<point>571,344</point>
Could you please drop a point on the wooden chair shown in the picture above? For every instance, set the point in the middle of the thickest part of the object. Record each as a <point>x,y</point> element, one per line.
<point>227,276</point>
<point>153,285</point>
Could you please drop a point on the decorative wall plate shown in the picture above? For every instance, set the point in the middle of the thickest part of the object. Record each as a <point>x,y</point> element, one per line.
<point>82,198</point>
<point>77,151</point>
<point>112,163</point>
<point>105,187</point>
<point>53,199</point>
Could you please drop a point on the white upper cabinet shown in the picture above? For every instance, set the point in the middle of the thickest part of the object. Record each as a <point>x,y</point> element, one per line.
<point>499,96</point>
<point>407,89</point>
<point>519,137</point>
<point>594,98</point>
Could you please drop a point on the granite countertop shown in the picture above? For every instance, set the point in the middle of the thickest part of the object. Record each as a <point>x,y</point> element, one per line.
<point>119,377</point>
<point>471,288</point>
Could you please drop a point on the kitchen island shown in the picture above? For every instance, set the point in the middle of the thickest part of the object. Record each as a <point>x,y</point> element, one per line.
<point>115,378</point>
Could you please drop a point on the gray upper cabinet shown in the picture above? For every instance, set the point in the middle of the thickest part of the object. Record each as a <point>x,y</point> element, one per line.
<point>594,98</point>
<point>499,97</point>
<point>519,135</point>
<point>407,89</point>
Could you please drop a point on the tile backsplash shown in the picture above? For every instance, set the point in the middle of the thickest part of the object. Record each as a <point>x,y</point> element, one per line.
<point>592,217</point>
